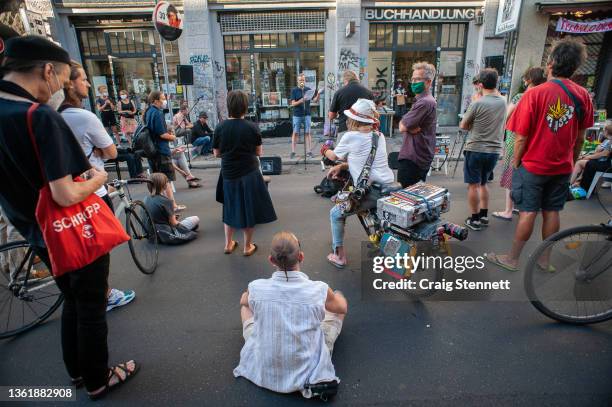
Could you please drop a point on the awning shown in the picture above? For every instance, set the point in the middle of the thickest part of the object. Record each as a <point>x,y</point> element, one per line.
<point>568,6</point>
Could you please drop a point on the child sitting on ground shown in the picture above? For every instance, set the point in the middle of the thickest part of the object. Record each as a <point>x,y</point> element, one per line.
<point>167,226</point>
<point>290,324</point>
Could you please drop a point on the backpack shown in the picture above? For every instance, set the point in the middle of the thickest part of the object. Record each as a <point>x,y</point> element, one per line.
<point>143,141</point>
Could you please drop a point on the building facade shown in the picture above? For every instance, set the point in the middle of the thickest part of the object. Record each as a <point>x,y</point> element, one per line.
<point>261,46</point>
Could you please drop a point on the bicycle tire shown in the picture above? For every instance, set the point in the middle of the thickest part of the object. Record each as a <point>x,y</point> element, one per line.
<point>41,318</point>
<point>530,270</point>
<point>151,236</point>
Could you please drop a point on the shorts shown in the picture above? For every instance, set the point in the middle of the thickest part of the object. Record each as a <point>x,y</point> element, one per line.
<point>108,118</point>
<point>532,192</point>
<point>163,164</point>
<point>478,167</point>
<point>331,327</point>
<point>298,121</point>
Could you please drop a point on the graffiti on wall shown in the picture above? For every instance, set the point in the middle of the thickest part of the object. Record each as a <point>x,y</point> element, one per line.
<point>348,60</point>
<point>203,82</point>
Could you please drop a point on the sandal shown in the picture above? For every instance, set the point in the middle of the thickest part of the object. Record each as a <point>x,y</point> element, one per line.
<point>192,179</point>
<point>494,258</point>
<point>113,372</point>
<point>193,184</point>
<point>334,262</point>
<point>499,216</point>
<point>77,383</point>
<point>228,251</point>
<point>180,208</point>
<point>250,251</point>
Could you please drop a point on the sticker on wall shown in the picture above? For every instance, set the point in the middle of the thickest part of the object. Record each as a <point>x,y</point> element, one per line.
<point>168,21</point>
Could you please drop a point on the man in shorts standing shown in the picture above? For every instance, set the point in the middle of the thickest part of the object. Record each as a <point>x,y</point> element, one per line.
<point>549,123</point>
<point>485,119</point>
<point>301,114</point>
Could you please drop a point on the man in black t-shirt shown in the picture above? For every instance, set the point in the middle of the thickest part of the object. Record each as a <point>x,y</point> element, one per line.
<point>345,97</point>
<point>84,329</point>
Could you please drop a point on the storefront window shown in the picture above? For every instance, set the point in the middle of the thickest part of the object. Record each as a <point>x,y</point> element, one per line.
<point>273,74</point>
<point>394,48</point>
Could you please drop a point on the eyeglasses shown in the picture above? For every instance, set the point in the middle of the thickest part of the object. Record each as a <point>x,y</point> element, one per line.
<point>413,80</point>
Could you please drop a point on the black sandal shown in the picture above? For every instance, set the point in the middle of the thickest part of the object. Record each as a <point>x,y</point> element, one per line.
<point>78,382</point>
<point>112,372</point>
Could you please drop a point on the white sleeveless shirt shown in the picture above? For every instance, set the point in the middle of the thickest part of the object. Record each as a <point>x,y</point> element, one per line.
<point>287,347</point>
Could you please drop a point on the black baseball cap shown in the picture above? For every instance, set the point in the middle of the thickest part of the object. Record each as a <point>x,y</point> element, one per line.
<point>203,115</point>
<point>29,47</point>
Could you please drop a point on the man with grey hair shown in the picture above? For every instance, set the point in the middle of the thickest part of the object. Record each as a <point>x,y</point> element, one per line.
<point>418,127</point>
<point>346,96</point>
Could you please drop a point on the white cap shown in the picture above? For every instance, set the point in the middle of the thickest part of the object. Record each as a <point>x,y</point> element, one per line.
<point>362,111</point>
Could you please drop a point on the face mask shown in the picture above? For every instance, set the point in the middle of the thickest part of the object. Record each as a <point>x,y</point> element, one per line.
<point>418,87</point>
<point>123,97</point>
<point>164,104</point>
<point>57,98</point>
<point>105,94</point>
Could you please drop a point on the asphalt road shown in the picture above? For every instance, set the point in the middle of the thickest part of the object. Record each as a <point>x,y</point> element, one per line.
<point>184,326</point>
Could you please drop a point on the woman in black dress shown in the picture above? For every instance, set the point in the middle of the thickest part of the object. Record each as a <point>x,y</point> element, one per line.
<point>241,188</point>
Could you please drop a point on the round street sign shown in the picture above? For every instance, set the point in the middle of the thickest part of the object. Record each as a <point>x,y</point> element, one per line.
<point>168,21</point>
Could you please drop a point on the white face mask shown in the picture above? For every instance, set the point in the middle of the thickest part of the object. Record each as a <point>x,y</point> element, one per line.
<point>57,98</point>
<point>123,97</point>
<point>164,104</point>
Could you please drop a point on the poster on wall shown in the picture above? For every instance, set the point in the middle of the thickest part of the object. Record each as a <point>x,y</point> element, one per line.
<point>583,27</point>
<point>379,72</point>
<point>100,85</point>
<point>168,21</point>
<point>507,16</point>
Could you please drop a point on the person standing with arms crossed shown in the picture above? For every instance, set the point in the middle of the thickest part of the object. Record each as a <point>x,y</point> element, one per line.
<point>549,123</point>
<point>418,127</point>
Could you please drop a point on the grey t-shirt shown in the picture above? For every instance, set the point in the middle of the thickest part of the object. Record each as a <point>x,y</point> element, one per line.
<point>487,116</point>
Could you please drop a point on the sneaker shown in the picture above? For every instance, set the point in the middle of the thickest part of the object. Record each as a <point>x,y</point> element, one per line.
<point>118,298</point>
<point>309,155</point>
<point>292,155</point>
<point>484,220</point>
<point>473,224</point>
<point>606,184</point>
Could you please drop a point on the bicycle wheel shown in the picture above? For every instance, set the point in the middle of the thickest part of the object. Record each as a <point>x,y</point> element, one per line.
<point>28,293</point>
<point>569,276</point>
<point>143,239</point>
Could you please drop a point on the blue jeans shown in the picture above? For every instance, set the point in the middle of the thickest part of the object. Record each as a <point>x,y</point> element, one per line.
<point>204,144</point>
<point>337,218</point>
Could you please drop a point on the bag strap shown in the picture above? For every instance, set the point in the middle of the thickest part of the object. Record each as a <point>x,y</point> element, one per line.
<point>574,99</point>
<point>29,121</point>
<point>364,177</point>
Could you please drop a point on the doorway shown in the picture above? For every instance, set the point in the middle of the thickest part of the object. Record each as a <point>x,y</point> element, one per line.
<point>403,68</point>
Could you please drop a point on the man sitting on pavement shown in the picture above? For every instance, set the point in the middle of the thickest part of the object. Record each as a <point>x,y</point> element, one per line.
<point>201,136</point>
<point>289,324</point>
<point>418,127</point>
<point>485,119</point>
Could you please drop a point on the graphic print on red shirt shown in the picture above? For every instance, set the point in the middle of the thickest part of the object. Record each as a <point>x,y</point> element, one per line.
<point>547,117</point>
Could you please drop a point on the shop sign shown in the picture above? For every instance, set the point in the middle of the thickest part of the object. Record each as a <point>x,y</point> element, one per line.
<point>168,21</point>
<point>420,14</point>
<point>584,27</point>
<point>507,16</point>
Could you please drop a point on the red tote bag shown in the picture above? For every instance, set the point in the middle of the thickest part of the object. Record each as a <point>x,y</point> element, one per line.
<point>76,235</point>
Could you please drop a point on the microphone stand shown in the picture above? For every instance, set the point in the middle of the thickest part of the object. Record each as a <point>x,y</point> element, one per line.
<point>304,129</point>
<point>185,121</point>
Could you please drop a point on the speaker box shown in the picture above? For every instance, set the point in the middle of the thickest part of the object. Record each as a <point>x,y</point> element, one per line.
<point>393,159</point>
<point>184,74</point>
<point>271,165</point>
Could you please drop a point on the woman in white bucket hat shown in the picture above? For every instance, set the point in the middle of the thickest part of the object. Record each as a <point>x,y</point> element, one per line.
<point>354,148</point>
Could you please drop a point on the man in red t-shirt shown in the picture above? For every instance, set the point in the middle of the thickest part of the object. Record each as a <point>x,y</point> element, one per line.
<point>549,123</point>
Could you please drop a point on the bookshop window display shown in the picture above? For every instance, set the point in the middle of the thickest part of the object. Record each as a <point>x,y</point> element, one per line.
<point>266,67</point>
<point>394,48</point>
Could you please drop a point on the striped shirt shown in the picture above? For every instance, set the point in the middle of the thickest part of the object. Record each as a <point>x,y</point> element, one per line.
<point>287,347</point>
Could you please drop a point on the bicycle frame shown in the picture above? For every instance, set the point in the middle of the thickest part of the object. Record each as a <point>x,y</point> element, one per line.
<point>119,192</point>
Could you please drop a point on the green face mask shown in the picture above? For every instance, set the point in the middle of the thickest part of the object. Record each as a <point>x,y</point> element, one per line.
<point>417,87</point>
